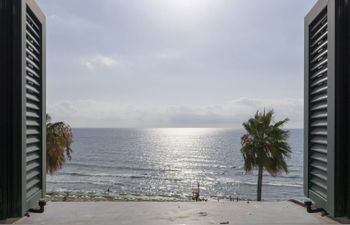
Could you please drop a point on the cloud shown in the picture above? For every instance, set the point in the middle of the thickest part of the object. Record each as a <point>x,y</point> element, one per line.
<point>231,114</point>
<point>168,54</point>
<point>99,61</point>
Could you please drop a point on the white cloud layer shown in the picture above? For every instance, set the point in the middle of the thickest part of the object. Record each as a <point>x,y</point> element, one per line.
<point>231,114</point>
<point>98,61</point>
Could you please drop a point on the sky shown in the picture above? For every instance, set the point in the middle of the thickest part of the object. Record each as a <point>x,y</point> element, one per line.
<point>174,63</point>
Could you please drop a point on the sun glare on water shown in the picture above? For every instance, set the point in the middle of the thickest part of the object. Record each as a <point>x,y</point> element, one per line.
<point>179,132</point>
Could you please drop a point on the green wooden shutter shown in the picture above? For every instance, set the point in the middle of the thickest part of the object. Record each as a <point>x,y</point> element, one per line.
<point>34,155</point>
<point>318,107</point>
<point>326,110</point>
<point>33,105</point>
<point>23,117</point>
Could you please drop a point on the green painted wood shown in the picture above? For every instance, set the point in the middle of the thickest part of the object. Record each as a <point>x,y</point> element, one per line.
<point>33,106</point>
<point>22,121</point>
<point>317,108</point>
<point>327,175</point>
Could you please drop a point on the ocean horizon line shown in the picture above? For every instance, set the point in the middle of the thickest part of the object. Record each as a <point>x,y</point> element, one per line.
<point>145,128</point>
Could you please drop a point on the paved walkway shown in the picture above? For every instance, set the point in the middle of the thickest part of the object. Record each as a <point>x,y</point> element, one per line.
<point>151,213</point>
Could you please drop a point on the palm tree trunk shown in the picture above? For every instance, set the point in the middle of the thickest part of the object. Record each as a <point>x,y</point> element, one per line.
<point>260,179</point>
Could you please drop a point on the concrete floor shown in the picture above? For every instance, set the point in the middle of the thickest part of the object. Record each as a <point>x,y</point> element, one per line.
<point>147,213</point>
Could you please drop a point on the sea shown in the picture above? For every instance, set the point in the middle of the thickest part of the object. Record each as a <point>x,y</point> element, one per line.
<point>167,163</point>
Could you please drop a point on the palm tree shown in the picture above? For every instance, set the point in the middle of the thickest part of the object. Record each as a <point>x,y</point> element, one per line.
<point>59,138</point>
<point>265,146</point>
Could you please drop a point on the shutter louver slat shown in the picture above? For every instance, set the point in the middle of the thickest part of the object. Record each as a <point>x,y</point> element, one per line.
<point>320,56</point>
<point>32,55</point>
<point>320,22</point>
<point>319,80</point>
<point>320,48</point>
<point>32,140</point>
<point>32,115</point>
<point>33,191</point>
<point>32,156</point>
<point>32,165</point>
<point>319,165</point>
<point>30,29</point>
<point>32,182</point>
<point>32,148</point>
<point>318,105</point>
<point>318,90</point>
<point>31,97</point>
<point>32,174</point>
<point>319,98</point>
<point>31,37</point>
<point>31,131</point>
<point>32,89</point>
<point>32,106</point>
<point>322,72</point>
<point>32,81</point>
<point>32,73</point>
<point>321,131</point>
<point>32,63</point>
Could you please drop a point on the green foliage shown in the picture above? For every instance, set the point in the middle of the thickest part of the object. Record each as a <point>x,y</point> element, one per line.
<point>265,146</point>
<point>59,138</point>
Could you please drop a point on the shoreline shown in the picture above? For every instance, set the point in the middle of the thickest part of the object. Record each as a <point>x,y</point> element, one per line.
<point>99,196</point>
<point>86,196</point>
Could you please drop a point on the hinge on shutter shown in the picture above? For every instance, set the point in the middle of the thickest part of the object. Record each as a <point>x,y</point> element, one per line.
<point>309,209</point>
<point>41,208</point>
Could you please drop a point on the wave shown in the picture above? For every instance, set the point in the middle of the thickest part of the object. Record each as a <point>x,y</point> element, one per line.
<point>84,174</point>
<point>101,183</point>
<point>119,167</point>
<point>104,175</point>
<point>75,195</point>
<point>176,167</point>
<point>222,181</point>
<point>271,184</point>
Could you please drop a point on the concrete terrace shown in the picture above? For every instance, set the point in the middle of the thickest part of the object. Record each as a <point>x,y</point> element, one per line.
<point>150,213</point>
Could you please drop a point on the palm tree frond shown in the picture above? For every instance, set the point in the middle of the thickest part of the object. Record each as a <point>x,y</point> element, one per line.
<point>59,138</point>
